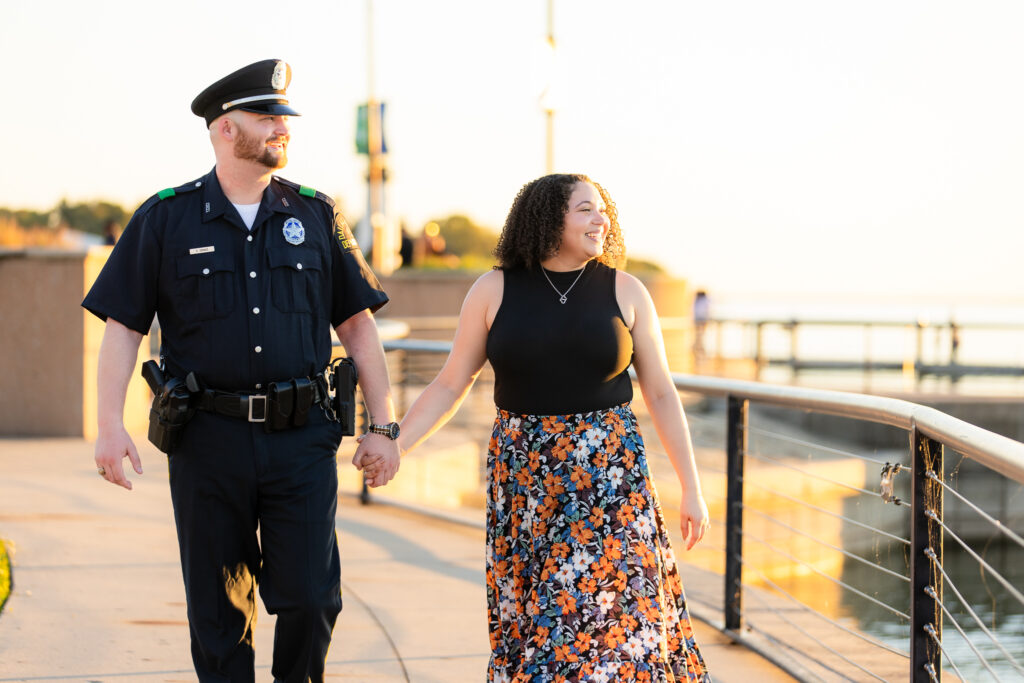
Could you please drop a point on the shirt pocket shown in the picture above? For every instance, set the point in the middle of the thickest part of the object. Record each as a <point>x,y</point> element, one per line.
<point>294,279</point>
<point>206,286</point>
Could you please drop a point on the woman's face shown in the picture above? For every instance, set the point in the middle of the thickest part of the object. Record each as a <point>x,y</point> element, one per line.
<point>585,226</point>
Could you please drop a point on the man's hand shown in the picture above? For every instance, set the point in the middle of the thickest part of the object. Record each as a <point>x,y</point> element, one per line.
<point>378,458</point>
<point>111,449</point>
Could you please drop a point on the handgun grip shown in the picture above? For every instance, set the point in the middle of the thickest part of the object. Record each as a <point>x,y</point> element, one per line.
<point>154,378</point>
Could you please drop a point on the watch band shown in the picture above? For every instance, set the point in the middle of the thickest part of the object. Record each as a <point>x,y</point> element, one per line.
<point>390,430</point>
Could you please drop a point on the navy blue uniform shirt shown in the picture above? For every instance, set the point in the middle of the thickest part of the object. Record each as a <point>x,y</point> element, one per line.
<point>239,308</point>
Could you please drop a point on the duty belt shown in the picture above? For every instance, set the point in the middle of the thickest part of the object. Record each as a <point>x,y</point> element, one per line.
<point>285,405</point>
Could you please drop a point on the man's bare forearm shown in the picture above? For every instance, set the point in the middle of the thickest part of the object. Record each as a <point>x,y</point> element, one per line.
<point>118,353</point>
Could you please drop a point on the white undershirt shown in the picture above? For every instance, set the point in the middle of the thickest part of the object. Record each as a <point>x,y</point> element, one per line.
<point>247,212</point>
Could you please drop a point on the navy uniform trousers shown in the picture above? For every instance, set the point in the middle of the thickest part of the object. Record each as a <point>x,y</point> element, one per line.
<point>258,510</point>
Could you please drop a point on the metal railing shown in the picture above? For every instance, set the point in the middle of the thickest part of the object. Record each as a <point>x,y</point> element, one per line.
<point>944,360</point>
<point>930,434</point>
<point>933,435</point>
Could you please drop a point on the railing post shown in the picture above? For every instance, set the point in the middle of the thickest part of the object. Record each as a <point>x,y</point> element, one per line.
<point>736,450</point>
<point>793,363</point>
<point>925,560</point>
<point>759,359</point>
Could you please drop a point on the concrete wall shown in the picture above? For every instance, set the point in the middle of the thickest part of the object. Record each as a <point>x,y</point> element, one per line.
<point>49,345</point>
<point>441,293</point>
<point>41,352</point>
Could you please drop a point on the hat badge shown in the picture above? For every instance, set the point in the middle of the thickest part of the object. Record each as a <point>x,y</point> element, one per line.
<point>279,79</point>
<point>293,231</point>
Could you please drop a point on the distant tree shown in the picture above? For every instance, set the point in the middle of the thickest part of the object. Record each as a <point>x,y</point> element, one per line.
<point>92,216</point>
<point>463,237</point>
<point>26,218</point>
<point>639,265</point>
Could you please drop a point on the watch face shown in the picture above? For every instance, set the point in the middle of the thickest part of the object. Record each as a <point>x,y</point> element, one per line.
<point>393,428</point>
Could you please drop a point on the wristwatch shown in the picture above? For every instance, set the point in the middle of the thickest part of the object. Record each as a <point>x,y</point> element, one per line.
<point>389,430</point>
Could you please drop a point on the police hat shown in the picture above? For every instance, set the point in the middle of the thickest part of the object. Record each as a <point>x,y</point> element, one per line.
<point>258,88</point>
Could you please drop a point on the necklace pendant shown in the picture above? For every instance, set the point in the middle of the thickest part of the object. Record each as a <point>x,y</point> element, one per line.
<point>561,299</point>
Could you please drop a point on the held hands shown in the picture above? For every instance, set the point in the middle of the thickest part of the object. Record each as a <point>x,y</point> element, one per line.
<point>378,457</point>
<point>111,450</point>
<point>693,517</point>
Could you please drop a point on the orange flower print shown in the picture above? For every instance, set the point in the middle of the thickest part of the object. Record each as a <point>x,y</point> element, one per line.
<point>534,458</point>
<point>566,601</point>
<point>553,484</point>
<point>581,532</point>
<point>628,459</point>
<point>580,477</point>
<point>625,515</point>
<point>614,636</point>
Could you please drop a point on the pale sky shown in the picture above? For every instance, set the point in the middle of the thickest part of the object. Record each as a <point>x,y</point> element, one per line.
<point>751,146</point>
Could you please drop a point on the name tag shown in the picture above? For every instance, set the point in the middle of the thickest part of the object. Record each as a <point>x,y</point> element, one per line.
<point>200,250</point>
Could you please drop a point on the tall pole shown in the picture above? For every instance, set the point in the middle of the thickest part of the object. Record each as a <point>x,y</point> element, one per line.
<point>549,107</point>
<point>380,258</point>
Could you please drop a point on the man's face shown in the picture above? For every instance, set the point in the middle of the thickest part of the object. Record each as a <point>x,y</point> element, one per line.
<point>262,138</point>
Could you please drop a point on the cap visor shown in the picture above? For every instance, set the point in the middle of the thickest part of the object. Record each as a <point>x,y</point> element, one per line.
<point>272,108</point>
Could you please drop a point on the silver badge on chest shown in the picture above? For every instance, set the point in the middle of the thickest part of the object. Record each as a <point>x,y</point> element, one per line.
<point>293,231</point>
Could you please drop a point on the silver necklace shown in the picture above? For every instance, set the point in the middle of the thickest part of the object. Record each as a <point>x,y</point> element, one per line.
<point>562,295</point>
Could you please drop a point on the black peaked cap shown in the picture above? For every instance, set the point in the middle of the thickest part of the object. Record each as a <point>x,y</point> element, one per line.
<point>258,88</point>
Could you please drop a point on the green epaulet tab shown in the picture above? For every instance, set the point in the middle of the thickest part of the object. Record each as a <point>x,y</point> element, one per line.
<point>164,194</point>
<point>307,191</point>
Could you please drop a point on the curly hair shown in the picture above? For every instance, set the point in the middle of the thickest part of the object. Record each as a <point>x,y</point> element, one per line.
<point>533,227</point>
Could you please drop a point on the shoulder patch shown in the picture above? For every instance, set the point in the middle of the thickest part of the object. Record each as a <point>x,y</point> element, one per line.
<point>164,194</point>
<point>306,191</point>
<point>343,233</point>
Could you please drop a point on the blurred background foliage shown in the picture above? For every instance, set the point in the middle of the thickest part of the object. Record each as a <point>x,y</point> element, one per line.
<point>454,242</point>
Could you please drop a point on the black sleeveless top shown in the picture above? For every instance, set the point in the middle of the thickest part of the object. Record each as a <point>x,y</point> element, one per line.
<point>551,358</point>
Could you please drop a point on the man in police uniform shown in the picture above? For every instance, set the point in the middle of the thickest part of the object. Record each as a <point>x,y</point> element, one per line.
<point>247,273</point>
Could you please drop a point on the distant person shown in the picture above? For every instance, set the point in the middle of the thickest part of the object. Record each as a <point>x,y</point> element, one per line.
<point>247,273</point>
<point>581,579</point>
<point>701,316</point>
<point>111,231</point>
<point>405,250</point>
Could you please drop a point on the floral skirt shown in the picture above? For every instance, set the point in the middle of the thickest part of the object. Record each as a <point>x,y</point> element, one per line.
<point>581,581</point>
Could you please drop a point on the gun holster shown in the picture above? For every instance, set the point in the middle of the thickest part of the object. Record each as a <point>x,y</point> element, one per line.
<point>172,407</point>
<point>343,378</point>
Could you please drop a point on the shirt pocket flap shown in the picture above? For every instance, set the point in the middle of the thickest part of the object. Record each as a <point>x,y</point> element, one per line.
<point>296,258</point>
<point>203,264</point>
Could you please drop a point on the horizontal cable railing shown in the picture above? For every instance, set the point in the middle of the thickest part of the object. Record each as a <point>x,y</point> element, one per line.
<point>779,478</point>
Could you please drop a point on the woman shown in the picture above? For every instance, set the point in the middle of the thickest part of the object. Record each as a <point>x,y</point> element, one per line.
<point>581,581</point>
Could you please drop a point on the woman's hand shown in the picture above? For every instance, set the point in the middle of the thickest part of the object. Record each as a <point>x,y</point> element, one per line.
<point>693,517</point>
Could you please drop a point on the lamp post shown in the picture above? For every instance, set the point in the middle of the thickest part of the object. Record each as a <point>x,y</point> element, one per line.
<point>381,259</point>
<point>546,98</point>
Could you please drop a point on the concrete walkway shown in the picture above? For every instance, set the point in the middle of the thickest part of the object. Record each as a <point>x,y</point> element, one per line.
<point>97,592</point>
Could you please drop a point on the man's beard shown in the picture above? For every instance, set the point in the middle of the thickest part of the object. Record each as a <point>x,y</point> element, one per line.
<point>250,148</point>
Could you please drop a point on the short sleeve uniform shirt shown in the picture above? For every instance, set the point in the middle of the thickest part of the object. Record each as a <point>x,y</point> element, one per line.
<point>239,308</point>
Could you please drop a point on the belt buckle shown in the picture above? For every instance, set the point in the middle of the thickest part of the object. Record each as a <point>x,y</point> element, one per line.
<point>252,399</point>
